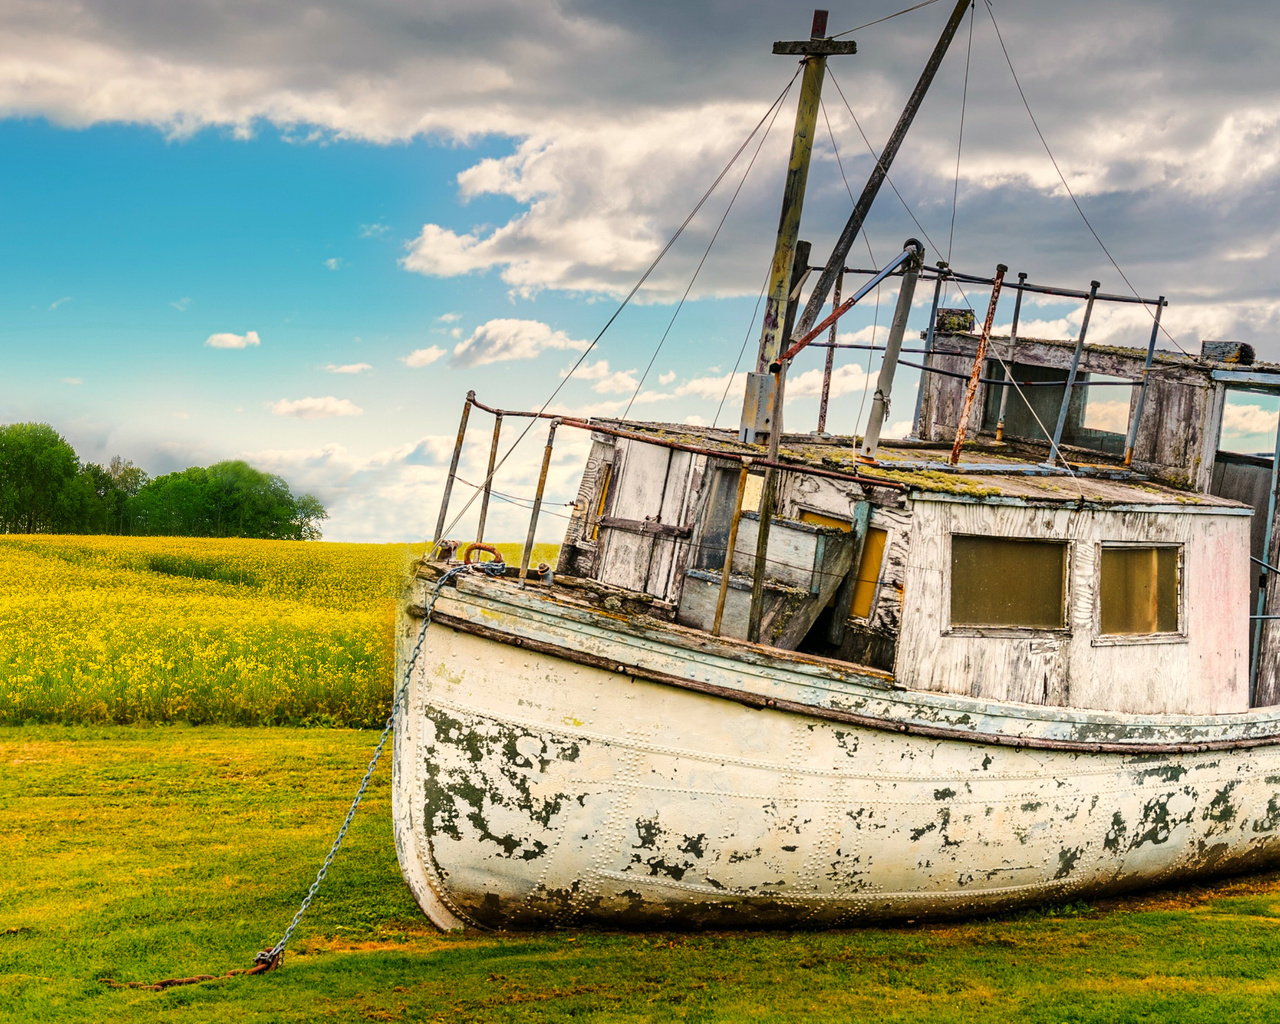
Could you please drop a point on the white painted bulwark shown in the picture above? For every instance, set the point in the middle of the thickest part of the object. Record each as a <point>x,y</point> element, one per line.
<point>535,789</point>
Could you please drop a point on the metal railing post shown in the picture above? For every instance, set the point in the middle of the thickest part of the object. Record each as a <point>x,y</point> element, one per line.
<point>831,360</point>
<point>488,477</point>
<point>1008,368</point>
<point>1132,437</point>
<point>1054,449</point>
<point>889,365</point>
<point>928,345</point>
<point>453,472</point>
<point>537,500</point>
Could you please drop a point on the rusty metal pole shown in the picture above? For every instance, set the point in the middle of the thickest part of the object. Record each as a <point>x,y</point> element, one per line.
<point>831,360</point>
<point>928,346</point>
<point>978,358</point>
<point>537,500</point>
<point>453,472</point>
<point>488,477</point>
<point>1013,343</point>
<point>889,365</point>
<point>1055,450</point>
<point>743,473</point>
<point>1132,438</point>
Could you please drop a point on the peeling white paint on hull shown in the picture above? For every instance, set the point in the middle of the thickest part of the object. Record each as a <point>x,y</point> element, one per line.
<point>533,791</point>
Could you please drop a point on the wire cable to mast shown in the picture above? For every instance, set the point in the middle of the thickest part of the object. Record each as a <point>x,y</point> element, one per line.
<point>1063,178</point>
<point>875,323</point>
<point>715,235</point>
<point>629,296</point>
<point>887,17</point>
<point>964,99</point>
<point>916,221</point>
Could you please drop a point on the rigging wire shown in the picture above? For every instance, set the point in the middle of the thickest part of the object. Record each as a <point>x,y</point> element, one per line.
<point>742,351</point>
<point>964,99</point>
<point>630,295</point>
<point>875,323</point>
<point>887,17</point>
<point>716,234</point>
<point>1063,178</point>
<point>916,221</point>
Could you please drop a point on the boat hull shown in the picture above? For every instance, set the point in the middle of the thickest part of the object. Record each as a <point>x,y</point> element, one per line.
<point>536,789</point>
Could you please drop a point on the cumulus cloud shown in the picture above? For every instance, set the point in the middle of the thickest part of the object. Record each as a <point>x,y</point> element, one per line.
<point>593,99</point>
<point>499,341</point>
<point>1248,420</point>
<point>351,368</point>
<point>420,357</point>
<point>316,408</point>
<point>335,263</point>
<point>226,340</point>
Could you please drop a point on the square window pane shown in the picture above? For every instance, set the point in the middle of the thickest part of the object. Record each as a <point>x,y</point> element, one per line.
<point>1139,590</point>
<point>999,581</point>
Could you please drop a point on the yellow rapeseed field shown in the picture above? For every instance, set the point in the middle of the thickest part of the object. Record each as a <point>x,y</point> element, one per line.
<point>174,629</point>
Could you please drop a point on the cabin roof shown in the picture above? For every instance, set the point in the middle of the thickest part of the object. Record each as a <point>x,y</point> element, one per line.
<point>986,471</point>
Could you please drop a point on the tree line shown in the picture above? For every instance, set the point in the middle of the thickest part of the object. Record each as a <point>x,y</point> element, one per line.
<point>45,488</point>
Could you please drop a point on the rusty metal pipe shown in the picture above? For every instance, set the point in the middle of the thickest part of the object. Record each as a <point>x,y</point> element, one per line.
<point>453,473</point>
<point>488,476</point>
<point>978,358</point>
<point>537,500</point>
<point>1132,437</point>
<point>1054,450</point>
<point>743,473</point>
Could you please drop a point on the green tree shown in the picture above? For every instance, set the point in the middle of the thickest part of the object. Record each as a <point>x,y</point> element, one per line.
<point>229,499</point>
<point>39,487</point>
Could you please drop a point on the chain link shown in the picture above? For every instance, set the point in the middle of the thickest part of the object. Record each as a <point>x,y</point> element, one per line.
<point>271,957</point>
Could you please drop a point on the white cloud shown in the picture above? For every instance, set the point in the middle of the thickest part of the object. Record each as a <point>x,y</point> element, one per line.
<point>449,318</point>
<point>420,357</point>
<point>347,368</point>
<point>844,380</point>
<point>182,304</point>
<point>249,338</point>
<point>58,302</point>
<point>713,387</point>
<point>1248,420</point>
<point>500,341</point>
<point>335,263</point>
<point>316,408</point>
<point>72,380</point>
<point>374,230</point>
<point>667,378</point>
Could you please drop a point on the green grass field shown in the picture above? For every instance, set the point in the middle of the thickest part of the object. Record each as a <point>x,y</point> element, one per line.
<point>139,853</point>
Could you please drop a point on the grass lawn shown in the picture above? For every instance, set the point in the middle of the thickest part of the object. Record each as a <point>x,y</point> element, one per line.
<point>142,853</point>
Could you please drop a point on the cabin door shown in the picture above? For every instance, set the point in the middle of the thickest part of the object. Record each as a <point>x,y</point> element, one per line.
<point>644,523</point>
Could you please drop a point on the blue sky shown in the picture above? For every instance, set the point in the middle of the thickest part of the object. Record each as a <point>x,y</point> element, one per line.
<point>355,183</point>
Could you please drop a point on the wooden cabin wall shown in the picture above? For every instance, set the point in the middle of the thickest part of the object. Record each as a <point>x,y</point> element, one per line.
<point>1181,419</point>
<point>944,398</point>
<point>1203,672</point>
<point>579,552</point>
<point>1178,436</point>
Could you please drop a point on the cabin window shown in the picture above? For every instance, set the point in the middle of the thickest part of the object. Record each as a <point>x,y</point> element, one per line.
<point>1139,590</point>
<point>864,590</point>
<point>1002,581</point>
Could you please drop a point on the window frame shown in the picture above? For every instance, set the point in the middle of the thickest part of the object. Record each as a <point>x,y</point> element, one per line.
<point>1010,632</point>
<point>1178,636</point>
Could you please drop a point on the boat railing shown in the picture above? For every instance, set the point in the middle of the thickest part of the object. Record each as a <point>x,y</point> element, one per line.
<point>485,490</point>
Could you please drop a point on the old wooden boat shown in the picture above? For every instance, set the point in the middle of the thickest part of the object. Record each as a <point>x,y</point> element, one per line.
<point>801,680</point>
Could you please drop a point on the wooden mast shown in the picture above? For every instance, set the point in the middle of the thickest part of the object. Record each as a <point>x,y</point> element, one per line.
<point>757,408</point>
